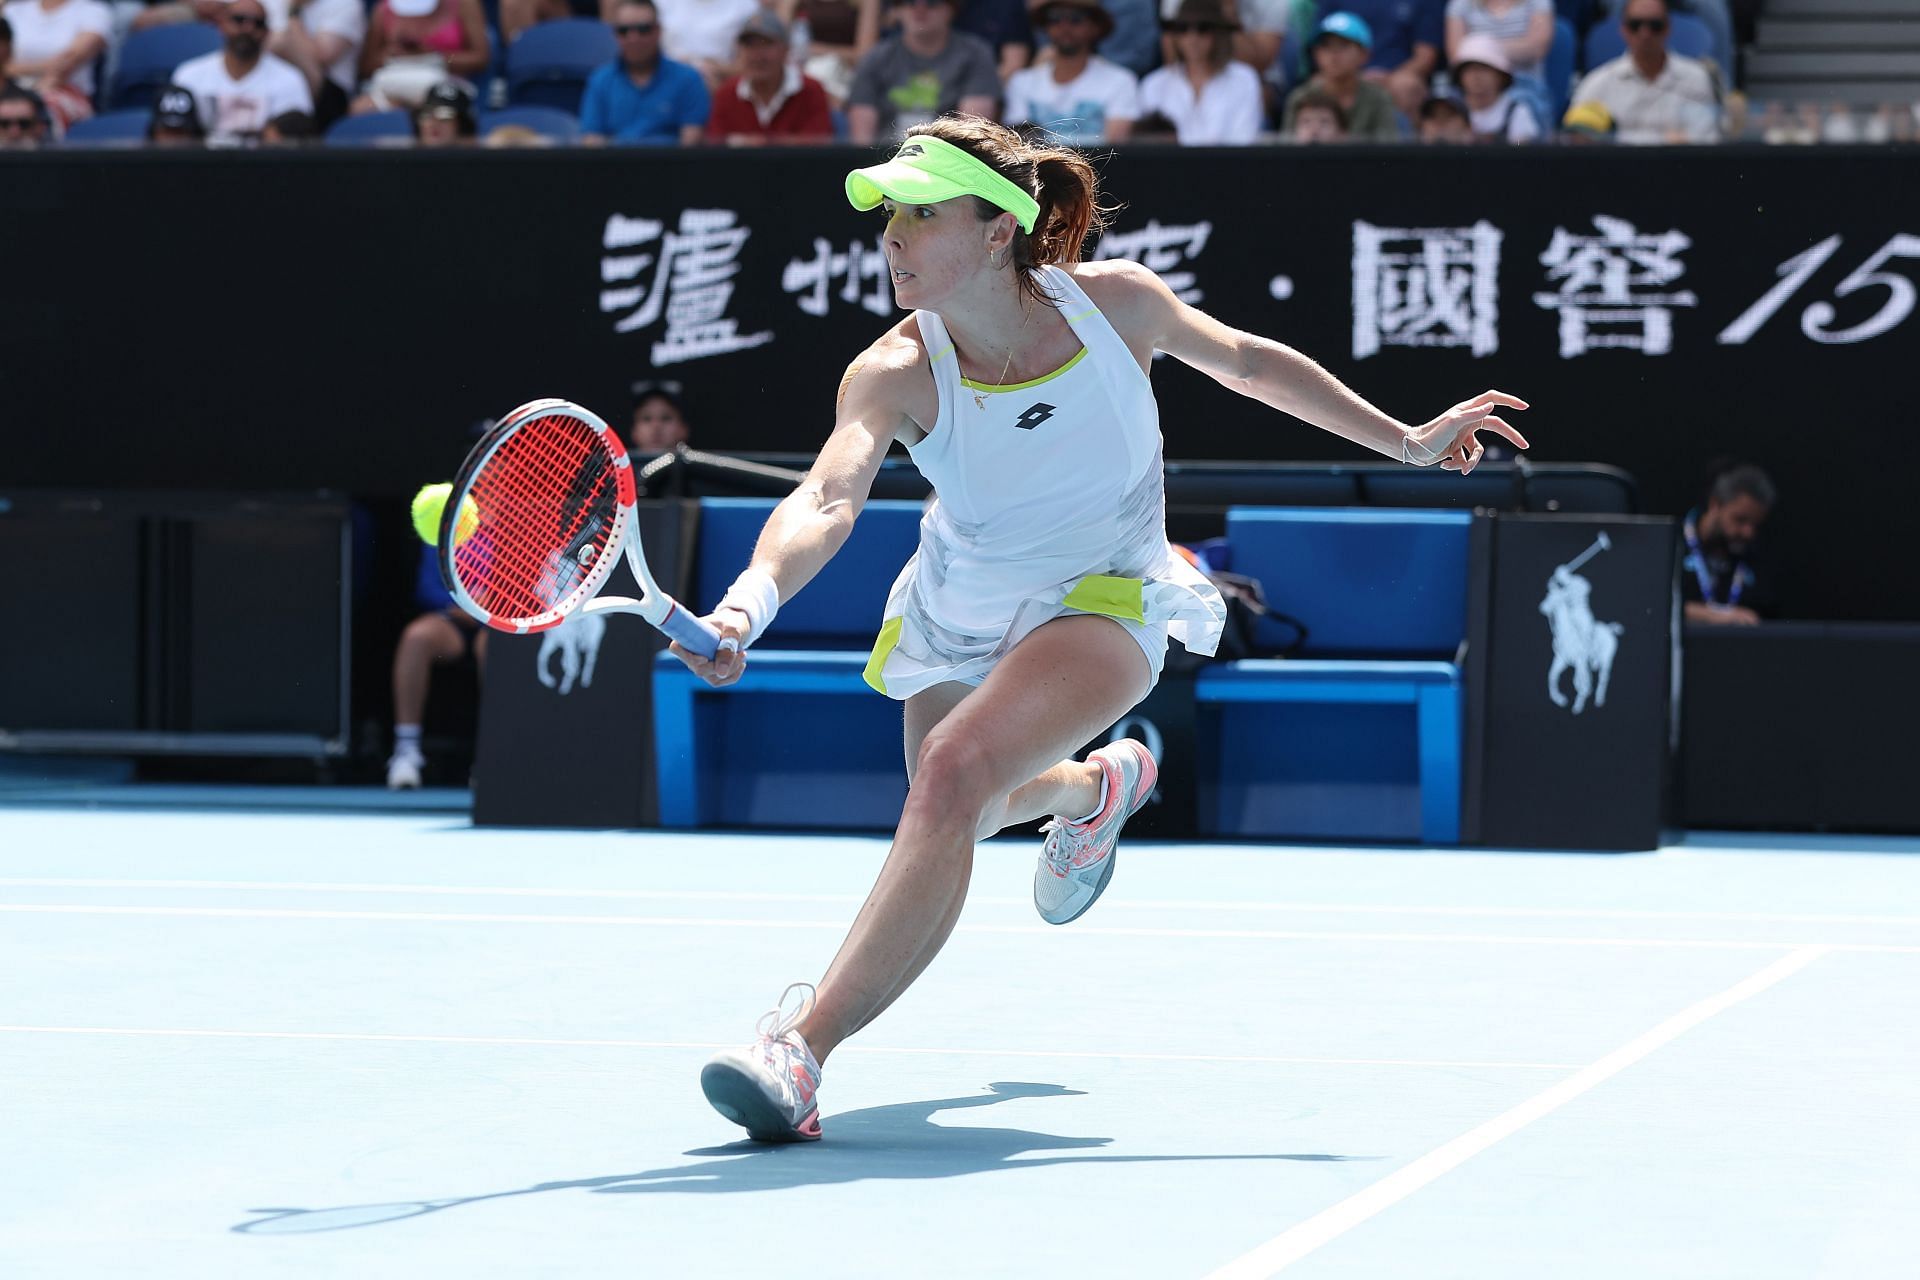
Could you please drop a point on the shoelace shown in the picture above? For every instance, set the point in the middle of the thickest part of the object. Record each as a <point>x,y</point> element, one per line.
<point>1073,838</point>
<point>775,1023</point>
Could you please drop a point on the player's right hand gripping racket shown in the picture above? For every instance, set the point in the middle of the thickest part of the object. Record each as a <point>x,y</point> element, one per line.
<point>537,517</point>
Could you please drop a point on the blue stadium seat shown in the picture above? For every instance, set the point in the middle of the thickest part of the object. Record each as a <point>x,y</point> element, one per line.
<point>548,64</point>
<point>1688,37</point>
<point>148,59</point>
<point>1559,71</point>
<point>114,129</point>
<point>376,129</point>
<point>549,122</point>
<point>729,756</point>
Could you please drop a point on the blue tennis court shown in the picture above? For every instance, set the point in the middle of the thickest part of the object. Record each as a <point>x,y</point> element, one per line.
<point>246,1041</point>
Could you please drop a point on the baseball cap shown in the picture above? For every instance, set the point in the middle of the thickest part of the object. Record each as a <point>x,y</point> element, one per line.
<point>1348,26</point>
<point>1591,118</point>
<point>766,25</point>
<point>1485,50</point>
<point>412,8</point>
<point>927,170</point>
<point>175,108</point>
<point>449,100</point>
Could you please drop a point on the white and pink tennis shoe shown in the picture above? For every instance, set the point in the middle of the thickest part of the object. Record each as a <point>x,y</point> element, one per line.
<point>769,1087</point>
<point>1077,861</point>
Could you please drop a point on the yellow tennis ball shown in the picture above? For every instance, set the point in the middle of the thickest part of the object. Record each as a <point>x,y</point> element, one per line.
<point>428,506</point>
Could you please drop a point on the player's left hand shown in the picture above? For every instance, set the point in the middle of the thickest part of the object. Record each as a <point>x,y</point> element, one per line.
<point>1451,439</point>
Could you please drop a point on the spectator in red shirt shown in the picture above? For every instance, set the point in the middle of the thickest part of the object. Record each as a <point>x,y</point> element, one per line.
<point>770,100</point>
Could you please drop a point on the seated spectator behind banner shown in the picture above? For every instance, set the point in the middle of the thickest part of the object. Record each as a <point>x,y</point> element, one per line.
<point>831,36</point>
<point>176,120</point>
<point>1003,25</point>
<point>1263,29</point>
<point>641,97</point>
<point>1586,123</point>
<point>1497,113</point>
<point>289,129</point>
<point>445,118</point>
<point>1444,121</point>
<point>771,100</point>
<point>701,34</point>
<point>240,86</point>
<point>1716,582</point>
<point>412,45</point>
<point>1407,37</point>
<point>1654,96</point>
<point>1077,97</point>
<point>926,71</point>
<point>659,418</point>
<point>1339,53</point>
<point>1524,29</point>
<point>23,119</point>
<point>55,46</point>
<point>1317,116</point>
<point>1211,99</point>
<point>323,39</point>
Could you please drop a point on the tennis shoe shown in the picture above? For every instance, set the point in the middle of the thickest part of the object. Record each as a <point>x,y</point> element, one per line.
<point>1077,861</point>
<point>403,772</point>
<point>768,1087</point>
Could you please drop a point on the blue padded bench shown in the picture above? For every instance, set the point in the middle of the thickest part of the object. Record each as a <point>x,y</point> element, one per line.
<point>786,746</point>
<point>1360,736</point>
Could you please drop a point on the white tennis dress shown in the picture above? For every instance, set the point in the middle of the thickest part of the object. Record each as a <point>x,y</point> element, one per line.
<point>1050,500</point>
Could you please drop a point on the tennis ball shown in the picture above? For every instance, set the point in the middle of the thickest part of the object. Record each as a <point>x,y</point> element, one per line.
<point>428,506</point>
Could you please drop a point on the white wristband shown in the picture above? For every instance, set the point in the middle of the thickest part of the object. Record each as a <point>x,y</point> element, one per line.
<point>755,594</point>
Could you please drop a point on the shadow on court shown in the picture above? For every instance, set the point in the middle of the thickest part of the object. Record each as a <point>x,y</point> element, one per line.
<point>898,1141</point>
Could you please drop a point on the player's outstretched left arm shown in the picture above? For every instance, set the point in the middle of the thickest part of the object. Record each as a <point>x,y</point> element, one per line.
<point>1141,306</point>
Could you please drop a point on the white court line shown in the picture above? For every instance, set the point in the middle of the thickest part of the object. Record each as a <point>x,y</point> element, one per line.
<point>1106,931</point>
<point>1296,1243</point>
<point>1129,904</point>
<point>209,1033</point>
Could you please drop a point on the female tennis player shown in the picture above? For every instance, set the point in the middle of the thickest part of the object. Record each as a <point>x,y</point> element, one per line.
<point>1037,609</point>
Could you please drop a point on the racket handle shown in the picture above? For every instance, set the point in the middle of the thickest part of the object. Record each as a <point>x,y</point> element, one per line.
<point>691,632</point>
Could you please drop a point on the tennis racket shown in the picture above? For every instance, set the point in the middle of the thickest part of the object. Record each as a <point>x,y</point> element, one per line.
<point>538,516</point>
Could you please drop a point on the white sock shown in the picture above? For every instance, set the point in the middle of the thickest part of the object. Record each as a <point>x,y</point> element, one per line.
<point>406,740</point>
<point>1098,807</point>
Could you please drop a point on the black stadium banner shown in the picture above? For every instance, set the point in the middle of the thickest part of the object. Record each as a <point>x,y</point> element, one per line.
<point>1574,661</point>
<point>340,318</point>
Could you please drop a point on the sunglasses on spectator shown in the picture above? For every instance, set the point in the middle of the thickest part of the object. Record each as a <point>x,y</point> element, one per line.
<point>1182,28</point>
<point>244,20</point>
<point>16,124</point>
<point>1646,24</point>
<point>914,4</point>
<point>636,29</point>
<point>1072,17</point>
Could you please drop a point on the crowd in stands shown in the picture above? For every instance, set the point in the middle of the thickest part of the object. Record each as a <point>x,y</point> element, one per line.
<point>750,72</point>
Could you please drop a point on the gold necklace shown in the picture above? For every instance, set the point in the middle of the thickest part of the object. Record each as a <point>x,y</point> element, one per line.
<point>980,396</point>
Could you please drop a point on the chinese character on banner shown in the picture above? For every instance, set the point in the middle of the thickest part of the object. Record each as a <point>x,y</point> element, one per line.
<point>1426,287</point>
<point>1161,249</point>
<point>1615,279</point>
<point>857,266</point>
<point>691,286</point>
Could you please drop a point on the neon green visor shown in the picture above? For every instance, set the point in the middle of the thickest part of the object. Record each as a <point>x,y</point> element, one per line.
<point>927,170</point>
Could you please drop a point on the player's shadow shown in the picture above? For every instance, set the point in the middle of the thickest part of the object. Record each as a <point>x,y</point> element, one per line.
<point>898,1141</point>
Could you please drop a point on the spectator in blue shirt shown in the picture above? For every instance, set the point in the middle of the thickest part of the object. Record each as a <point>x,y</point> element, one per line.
<point>643,97</point>
<point>1407,38</point>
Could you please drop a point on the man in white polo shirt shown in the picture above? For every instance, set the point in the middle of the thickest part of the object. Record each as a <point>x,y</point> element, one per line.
<point>242,86</point>
<point>1653,95</point>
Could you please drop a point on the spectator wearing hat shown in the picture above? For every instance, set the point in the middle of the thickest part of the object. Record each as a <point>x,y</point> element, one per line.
<point>1262,30</point>
<point>771,100</point>
<point>323,38</point>
<point>1587,123</point>
<point>642,97</point>
<point>929,70</point>
<point>1317,117</point>
<point>176,120</point>
<point>703,34</point>
<point>412,45</point>
<point>445,117</point>
<point>1443,121</point>
<point>1076,96</point>
<point>55,46</point>
<point>1340,48</point>
<point>239,87</point>
<point>659,418</point>
<point>1497,113</point>
<point>1407,37</point>
<point>1524,29</point>
<point>1654,95</point>
<point>1211,99</point>
<point>23,119</point>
